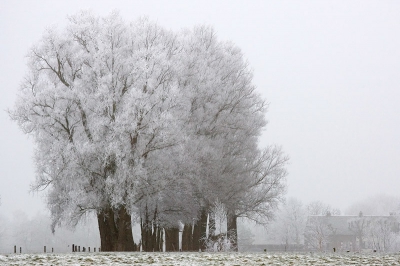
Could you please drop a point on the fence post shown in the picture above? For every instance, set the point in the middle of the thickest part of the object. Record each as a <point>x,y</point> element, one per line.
<point>20,250</point>
<point>52,250</point>
<point>44,249</point>
<point>88,249</point>
<point>94,249</point>
<point>15,249</point>
<point>79,248</point>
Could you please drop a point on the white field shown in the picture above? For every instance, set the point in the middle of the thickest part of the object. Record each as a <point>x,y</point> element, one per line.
<point>142,258</point>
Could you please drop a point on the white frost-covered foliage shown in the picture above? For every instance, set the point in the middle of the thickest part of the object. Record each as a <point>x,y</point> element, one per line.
<point>138,116</point>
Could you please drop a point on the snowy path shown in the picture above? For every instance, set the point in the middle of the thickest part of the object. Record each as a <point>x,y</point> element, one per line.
<point>137,258</point>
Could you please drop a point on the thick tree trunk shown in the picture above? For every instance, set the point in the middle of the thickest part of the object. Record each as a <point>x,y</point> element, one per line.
<point>108,230</point>
<point>125,236</point>
<point>232,229</point>
<point>115,230</point>
<point>172,239</point>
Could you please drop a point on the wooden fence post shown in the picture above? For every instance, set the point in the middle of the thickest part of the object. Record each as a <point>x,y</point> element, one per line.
<point>15,249</point>
<point>44,249</point>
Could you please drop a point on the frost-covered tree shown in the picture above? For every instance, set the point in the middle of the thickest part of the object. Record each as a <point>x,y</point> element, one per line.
<point>98,100</point>
<point>226,117</point>
<point>317,232</point>
<point>383,233</point>
<point>289,224</point>
<point>135,119</point>
<point>318,227</point>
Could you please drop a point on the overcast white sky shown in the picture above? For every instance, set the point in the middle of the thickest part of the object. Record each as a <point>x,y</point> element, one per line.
<point>329,69</point>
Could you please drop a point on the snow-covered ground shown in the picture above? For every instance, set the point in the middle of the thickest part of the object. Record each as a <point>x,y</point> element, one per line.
<point>137,258</point>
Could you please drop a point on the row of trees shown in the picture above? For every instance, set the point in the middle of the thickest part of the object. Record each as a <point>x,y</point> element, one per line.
<point>133,119</point>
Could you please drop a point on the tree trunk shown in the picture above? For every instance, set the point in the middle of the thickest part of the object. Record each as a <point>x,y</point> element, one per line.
<point>199,232</point>
<point>232,229</point>
<point>157,239</point>
<point>108,230</point>
<point>196,237</point>
<point>115,230</point>
<point>146,232</point>
<point>146,236</point>
<point>125,236</point>
<point>172,239</point>
<point>153,231</point>
<point>187,238</point>
<point>211,226</point>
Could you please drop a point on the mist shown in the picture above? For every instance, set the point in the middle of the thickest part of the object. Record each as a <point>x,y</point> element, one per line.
<point>328,71</point>
<point>32,233</point>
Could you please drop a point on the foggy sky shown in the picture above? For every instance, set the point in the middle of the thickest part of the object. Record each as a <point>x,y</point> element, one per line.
<point>329,69</point>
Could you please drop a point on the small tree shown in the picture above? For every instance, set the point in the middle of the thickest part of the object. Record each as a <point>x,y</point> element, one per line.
<point>289,224</point>
<point>360,226</point>
<point>317,232</point>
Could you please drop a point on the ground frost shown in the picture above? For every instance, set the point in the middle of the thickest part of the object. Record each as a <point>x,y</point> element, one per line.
<point>231,259</point>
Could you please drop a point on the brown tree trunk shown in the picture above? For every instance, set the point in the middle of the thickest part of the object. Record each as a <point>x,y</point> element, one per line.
<point>232,229</point>
<point>196,237</point>
<point>199,232</point>
<point>146,236</point>
<point>187,239</point>
<point>125,236</point>
<point>172,239</point>
<point>115,230</point>
<point>157,238</point>
<point>146,231</point>
<point>161,237</point>
<point>108,230</point>
<point>153,231</point>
